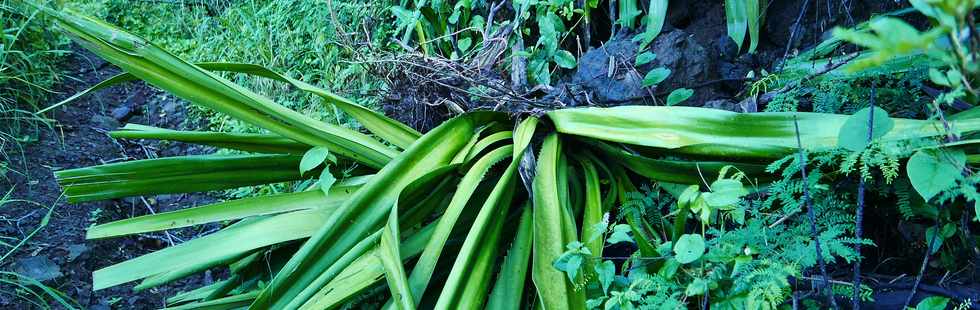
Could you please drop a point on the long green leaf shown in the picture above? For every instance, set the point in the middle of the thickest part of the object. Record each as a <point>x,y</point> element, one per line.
<point>229,210</point>
<point>554,291</point>
<point>230,302</point>
<point>259,143</point>
<point>388,251</point>
<point>214,249</point>
<point>176,175</point>
<point>753,18</point>
<point>364,272</point>
<point>712,132</point>
<point>161,69</point>
<point>365,212</point>
<point>385,127</point>
<point>470,274</point>
<point>508,291</point>
<point>426,265</point>
<point>592,214</point>
<point>737,20</point>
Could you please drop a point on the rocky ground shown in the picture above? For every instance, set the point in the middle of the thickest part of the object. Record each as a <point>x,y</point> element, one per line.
<point>58,255</point>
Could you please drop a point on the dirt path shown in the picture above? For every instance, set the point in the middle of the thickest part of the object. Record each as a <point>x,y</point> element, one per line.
<point>59,253</point>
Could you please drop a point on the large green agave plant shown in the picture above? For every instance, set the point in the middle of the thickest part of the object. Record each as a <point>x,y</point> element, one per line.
<point>471,214</point>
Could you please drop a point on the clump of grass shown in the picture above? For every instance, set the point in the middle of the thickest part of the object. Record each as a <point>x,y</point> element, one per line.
<point>29,66</point>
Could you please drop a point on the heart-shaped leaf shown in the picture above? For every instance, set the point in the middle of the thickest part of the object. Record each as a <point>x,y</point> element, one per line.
<point>679,95</point>
<point>933,171</point>
<point>645,58</point>
<point>655,76</point>
<point>313,158</point>
<point>854,134</point>
<point>689,248</point>
<point>565,59</point>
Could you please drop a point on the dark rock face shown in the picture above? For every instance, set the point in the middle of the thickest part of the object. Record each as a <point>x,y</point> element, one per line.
<point>607,72</point>
<point>689,61</point>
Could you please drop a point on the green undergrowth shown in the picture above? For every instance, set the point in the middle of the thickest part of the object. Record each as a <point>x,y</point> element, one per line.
<point>30,67</point>
<point>325,43</point>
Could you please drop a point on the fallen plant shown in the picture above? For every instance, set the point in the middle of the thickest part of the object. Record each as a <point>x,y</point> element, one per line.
<point>427,217</point>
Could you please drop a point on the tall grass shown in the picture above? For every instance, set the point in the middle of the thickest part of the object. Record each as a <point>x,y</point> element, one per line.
<point>319,42</point>
<point>29,67</point>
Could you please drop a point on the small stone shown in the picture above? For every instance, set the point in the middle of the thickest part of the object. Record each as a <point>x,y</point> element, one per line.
<point>38,267</point>
<point>76,250</point>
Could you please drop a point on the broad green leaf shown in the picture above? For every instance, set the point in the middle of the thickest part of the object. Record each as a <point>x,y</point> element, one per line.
<point>932,171</point>
<point>712,132</point>
<point>696,287</point>
<point>552,287</point>
<point>725,193</point>
<point>565,59</point>
<point>689,248</point>
<point>620,233</point>
<point>938,77</point>
<point>508,290</point>
<point>655,76</point>
<point>645,57</point>
<point>313,158</point>
<point>607,272</point>
<point>679,95</point>
<point>737,20</point>
<point>854,133</point>
<point>933,303</point>
<point>465,44</point>
<point>570,263</point>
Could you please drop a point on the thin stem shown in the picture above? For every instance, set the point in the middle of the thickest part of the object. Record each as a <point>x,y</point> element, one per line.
<point>925,260</point>
<point>813,217</point>
<point>859,213</point>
